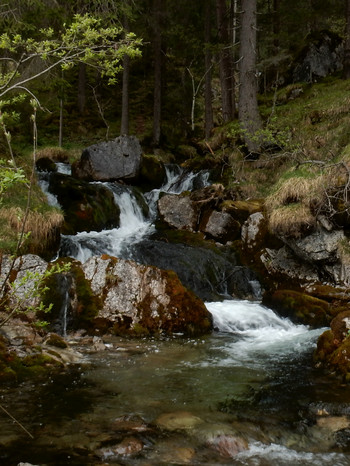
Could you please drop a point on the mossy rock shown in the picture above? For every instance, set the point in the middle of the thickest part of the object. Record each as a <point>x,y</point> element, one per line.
<point>241,210</point>
<point>88,304</point>
<point>45,164</point>
<point>56,341</point>
<point>86,206</point>
<point>334,354</point>
<point>325,347</point>
<point>152,173</point>
<point>300,307</point>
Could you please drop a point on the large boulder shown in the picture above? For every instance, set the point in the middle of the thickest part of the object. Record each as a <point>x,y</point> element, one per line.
<point>119,159</point>
<point>137,299</point>
<point>86,206</point>
<point>323,55</point>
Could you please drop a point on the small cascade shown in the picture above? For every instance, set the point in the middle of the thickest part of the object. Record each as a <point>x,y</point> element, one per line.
<point>62,317</point>
<point>259,334</point>
<point>43,181</point>
<point>137,214</point>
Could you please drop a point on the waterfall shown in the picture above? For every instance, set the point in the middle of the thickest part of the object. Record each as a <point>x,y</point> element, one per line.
<point>135,224</point>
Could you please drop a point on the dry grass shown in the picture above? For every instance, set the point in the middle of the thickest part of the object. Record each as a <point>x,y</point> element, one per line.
<point>43,228</point>
<point>292,220</point>
<point>293,207</point>
<point>307,191</point>
<point>56,154</point>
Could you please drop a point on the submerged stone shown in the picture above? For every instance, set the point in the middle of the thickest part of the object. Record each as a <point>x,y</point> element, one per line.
<point>179,420</point>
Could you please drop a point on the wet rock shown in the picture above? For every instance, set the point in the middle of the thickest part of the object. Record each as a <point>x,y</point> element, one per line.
<point>64,356</point>
<point>86,206</point>
<point>45,164</point>
<point>152,174</point>
<point>342,439</point>
<point>127,447</point>
<point>177,455</point>
<point>52,339</point>
<point>299,307</point>
<point>333,355</point>
<point>178,211</point>
<point>333,423</point>
<point>340,326</point>
<point>210,272</point>
<point>228,446</point>
<point>119,159</point>
<point>129,423</point>
<point>137,299</point>
<point>179,420</point>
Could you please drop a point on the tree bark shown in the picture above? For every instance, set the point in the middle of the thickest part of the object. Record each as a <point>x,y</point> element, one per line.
<point>248,111</point>
<point>225,62</point>
<point>346,61</point>
<point>209,121</point>
<point>157,97</point>
<point>82,88</point>
<point>124,126</point>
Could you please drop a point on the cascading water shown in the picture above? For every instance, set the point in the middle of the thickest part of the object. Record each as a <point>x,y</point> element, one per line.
<point>251,380</point>
<point>135,224</point>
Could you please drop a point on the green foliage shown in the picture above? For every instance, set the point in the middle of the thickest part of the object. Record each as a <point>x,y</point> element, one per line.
<point>10,176</point>
<point>24,294</point>
<point>83,40</point>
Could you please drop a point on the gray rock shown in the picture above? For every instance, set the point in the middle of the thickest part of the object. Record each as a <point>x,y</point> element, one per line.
<point>320,246</point>
<point>251,229</point>
<point>178,211</point>
<point>139,298</point>
<point>322,56</point>
<point>221,226</point>
<point>113,160</point>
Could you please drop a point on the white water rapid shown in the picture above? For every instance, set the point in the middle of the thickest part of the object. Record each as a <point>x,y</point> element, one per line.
<point>259,334</point>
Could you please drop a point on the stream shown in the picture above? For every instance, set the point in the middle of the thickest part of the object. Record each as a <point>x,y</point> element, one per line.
<point>247,394</point>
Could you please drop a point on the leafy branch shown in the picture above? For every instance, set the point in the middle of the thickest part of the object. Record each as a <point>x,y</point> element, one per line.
<point>84,40</point>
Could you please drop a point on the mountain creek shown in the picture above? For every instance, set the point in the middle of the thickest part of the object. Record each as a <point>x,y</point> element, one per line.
<point>247,393</point>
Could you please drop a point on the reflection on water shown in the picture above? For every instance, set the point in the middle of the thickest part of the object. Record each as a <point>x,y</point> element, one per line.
<point>246,395</point>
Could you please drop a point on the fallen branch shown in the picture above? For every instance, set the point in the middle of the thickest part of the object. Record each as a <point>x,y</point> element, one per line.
<point>17,422</point>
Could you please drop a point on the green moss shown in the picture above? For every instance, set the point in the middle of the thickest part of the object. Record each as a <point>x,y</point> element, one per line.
<point>300,307</point>
<point>88,304</point>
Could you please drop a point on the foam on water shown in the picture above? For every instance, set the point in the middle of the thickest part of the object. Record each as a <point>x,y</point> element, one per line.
<point>258,333</point>
<point>280,455</point>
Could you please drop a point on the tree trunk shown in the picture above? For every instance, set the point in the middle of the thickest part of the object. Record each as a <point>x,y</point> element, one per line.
<point>82,88</point>
<point>346,61</point>
<point>209,122</point>
<point>225,62</point>
<point>249,116</point>
<point>157,98</point>
<point>124,126</point>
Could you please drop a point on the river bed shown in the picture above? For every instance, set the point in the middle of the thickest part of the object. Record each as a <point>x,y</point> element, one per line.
<point>245,395</point>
